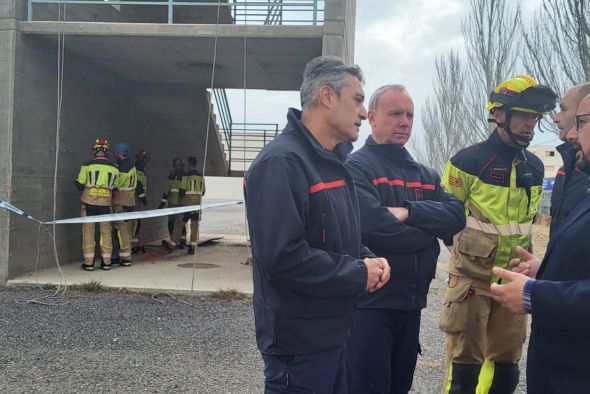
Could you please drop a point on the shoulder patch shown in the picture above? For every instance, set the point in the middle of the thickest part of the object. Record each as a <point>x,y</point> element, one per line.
<point>457,182</point>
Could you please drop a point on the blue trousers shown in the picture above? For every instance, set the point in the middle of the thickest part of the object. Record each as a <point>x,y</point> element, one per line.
<point>382,351</point>
<point>319,373</point>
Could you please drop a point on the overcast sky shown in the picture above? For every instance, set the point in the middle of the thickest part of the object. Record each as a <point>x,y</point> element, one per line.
<point>395,42</point>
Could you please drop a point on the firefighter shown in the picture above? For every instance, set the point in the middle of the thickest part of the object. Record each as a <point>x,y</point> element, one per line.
<point>96,181</point>
<point>170,197</point>
<point>192,188</point>
<point>124,201</point>
<point>141,159</point>
<point>501,184</point>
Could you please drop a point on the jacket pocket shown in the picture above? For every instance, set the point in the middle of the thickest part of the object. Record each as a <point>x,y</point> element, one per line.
<point>475,253</point>
<point>454,316</point>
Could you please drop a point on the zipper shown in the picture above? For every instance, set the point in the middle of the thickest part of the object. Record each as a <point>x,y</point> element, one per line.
<point>323,227</point>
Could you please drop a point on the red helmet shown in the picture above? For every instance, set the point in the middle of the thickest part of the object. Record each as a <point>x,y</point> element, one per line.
<point>101,144</point>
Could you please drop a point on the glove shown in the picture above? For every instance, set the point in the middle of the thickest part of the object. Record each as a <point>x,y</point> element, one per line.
<point>162,205</point>
<point>144,201</point>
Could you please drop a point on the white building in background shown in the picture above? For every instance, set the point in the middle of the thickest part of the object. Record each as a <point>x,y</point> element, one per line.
<point>550,158</point>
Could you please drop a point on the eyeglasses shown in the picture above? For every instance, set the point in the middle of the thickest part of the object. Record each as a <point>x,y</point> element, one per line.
<point>578,120</point>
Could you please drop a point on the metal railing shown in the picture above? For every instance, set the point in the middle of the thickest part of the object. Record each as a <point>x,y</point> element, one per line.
<point>242,141</point>
<point>260,12</point>
<point>247,139</point>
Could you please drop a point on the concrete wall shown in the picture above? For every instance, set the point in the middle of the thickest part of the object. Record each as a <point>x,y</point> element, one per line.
<point>168,121</point>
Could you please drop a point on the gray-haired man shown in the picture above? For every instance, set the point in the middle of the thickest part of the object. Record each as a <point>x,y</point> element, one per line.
<point>309,264</point>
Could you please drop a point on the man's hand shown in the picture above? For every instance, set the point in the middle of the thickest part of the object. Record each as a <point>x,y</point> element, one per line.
<point>378,272</point>
<point>529,265</point>
<point>162,205</point>
<point>510,294</point>
<point>400,213</point>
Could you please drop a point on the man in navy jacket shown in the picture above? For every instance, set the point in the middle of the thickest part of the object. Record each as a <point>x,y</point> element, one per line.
<point>403,212</point>
<point>308,261</point>
<point>559,298</point>
<point>571,184</point>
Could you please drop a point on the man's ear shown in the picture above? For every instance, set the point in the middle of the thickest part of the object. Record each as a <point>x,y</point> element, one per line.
<point>326,96</point>
<point>371,118</point>
<point>499,115</point>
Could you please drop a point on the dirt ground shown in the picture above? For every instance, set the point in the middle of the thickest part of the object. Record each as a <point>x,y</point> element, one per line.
<point>540,239</point>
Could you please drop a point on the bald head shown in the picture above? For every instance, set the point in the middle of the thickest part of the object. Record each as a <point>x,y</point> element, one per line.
<point>568,107</point>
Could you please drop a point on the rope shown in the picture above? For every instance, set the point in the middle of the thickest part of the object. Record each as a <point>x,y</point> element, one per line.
<point>62,287</point>
<point>248,248</point>
<point>206,143</point>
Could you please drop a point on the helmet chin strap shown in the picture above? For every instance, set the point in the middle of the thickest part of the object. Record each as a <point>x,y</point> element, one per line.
<point>505,126</point>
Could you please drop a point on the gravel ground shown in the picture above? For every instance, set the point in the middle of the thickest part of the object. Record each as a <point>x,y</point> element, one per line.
<point>130,343</point>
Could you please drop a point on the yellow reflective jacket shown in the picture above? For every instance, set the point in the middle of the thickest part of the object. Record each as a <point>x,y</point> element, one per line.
<point>501,187</point>
<point>192,187</point>
<point>96,180</point>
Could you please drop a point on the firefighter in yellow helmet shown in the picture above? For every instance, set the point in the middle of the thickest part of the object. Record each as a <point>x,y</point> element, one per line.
<point>96,181</point>
<point>501,184</point>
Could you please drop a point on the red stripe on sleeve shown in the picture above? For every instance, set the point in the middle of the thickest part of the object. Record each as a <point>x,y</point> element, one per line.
<point>326,185</point>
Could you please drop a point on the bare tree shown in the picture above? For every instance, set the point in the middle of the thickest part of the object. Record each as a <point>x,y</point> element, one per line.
<point>557,43</point>
<point>455,115</point>
<point>444,130</point>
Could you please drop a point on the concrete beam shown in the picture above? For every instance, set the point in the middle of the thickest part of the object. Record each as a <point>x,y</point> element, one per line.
<point>165,30</point>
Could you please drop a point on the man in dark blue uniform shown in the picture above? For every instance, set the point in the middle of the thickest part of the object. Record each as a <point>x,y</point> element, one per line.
<point>404,210</point>
<point>571,184</point>
<point>308,262</point>
<point>559,298</point>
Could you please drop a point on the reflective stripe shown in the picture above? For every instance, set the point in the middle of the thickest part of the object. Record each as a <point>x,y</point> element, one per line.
<point>500,229</point>
<point>164,200</point>
<point>326,185</point>
<point>173,190</point>
<point>124,254</point>
<point>193,193</point>
<point>401,182</point>
<point>193,244</point>
<point>88,254</point>
<point>447,388</point>
<point>142,195</point>
<point>486,377</point>
<point>126,189</point>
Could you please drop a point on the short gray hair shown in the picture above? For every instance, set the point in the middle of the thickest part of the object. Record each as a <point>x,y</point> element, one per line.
<point>374,101</point>
<point>325,71</point>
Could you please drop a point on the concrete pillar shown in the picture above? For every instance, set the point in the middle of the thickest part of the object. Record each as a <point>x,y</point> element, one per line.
<point>339,21</point>
<point>8,14</point>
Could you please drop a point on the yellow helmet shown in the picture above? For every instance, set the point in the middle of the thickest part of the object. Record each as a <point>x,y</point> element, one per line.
<point>522,93</point>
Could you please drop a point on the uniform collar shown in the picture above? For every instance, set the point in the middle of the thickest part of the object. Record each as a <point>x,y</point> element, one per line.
<point>394,152</point>
<point>502,147</point>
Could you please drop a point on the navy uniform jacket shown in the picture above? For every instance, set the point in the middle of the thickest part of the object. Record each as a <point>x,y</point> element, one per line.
<point>386,175</point>
<point>570,188</point>
<point>559,347</point>
<point>306,245</point>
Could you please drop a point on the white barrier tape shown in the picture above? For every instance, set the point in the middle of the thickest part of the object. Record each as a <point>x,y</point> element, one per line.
<point>113,217</point>
<point>12,208</point>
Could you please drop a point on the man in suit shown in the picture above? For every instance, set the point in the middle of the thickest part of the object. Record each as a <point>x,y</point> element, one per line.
<point>556,292</point>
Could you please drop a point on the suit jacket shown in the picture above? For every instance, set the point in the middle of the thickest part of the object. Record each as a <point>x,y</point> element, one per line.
<point>559,347</point>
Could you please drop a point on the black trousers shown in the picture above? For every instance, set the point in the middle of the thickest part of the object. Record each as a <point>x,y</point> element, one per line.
<point>319,372</point>
<point>382,351</point>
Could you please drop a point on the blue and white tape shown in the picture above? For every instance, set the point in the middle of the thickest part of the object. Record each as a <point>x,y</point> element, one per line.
<point>12,208</point>
<point>114,217</point>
